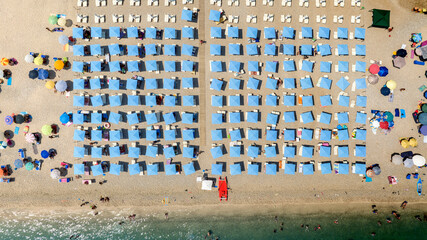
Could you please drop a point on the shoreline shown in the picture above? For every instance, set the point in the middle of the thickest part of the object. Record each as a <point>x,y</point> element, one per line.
<point>230,210</point>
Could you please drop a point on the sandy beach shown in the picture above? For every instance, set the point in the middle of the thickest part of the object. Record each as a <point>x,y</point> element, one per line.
<point>35,190</point>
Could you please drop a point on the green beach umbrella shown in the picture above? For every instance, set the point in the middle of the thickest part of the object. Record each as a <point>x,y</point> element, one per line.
<point>53,19</point>
<point>47,130</point>
<point>388,116</point>
<point>29,166</point>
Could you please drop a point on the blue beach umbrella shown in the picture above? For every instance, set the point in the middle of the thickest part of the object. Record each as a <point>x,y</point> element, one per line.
<point>114,32</point>
<point>307,169</point>
<point>325,67</point>
<point>288,49</point>
<point>235,169</point>
<point>307,151</point>
<point>170,169</point>
<point>343,151</point>
<point>216,169</point>
<point>96,170</point>
<point>152,169</point>
<point>133,50</point>
<point>307,32</point>
<point>216,152</point>
<point>342,33</point>
<point>324,32</point>
<point>342,66</point>
<point>187,15</point>
<point>132,32</point>
<point>288,32</point>
<point>78,33</point>
<point>170,33</point>
<point>43,74</point>
<point>359,33</point>
<point>253,169</point>
<point>270,169</point>
<point>307,66</point>
<point>96,32</point>
<point>233,32</point>
<point>189,168</point>
<point>326,167</point>
<point>188,32</point>
<point>324,49</point>
<point>343,168</point>
<point>78,50</point>
<point>115,169</point>
<point>215,49</point>
<point>79,169</point>
<point>252,32</point>
<point>214,15</point>
<point>325,135</point>
<point>134,169</point>
<point>290,168</point>
<point>216,32</point>
<point>306,83</point>
<point>289,117</point>
<point>361,66</point>
<point>269,33</point>
<point>289,151</point>
<point>252,49</point>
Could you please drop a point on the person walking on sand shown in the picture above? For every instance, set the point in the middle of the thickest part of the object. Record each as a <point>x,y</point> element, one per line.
<point>49,29</point>
<point>167,216</point>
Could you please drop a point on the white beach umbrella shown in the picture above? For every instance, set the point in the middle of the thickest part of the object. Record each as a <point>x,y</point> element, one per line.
<point>55,173</point>
<point>419,160</point>
<point>207,185</point>
<point>30,138</point>
<point>29,58</point>
<point>408,163</point>
<point>397,159</point>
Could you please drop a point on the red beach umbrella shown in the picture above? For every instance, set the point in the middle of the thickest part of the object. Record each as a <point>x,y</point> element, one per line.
<point>384,125</point>
<point>374,69</point>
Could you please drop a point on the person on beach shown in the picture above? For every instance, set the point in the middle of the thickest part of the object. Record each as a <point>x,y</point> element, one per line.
<point>275,218</point>
<point>388,220</point>
<point>132,217</point>
<point>167,216</point>
<point>403,205</point>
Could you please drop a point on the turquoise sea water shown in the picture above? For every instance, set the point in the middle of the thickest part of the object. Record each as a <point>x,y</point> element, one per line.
<point>254,227</point>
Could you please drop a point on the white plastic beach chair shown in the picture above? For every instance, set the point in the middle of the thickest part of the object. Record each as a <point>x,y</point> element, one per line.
<point>306,19</point>
<point>135,2</point>
<point>82,18</point>
<point>117,2</point>
<point>323,19</point>
<point>82,3</point>
<point>99,18</point>
<point>335,18</point>
<point>323,3</point>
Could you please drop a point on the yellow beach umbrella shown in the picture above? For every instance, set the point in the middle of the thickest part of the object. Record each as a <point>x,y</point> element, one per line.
<point>391,84</point>
<point>47,130</point>
<point>413,142</point>
<point>4,61</point>
<point>404,143</point>
<point>50,84</point>
<point>38,60</point>
<point>62,21</point>
<point>59,64</point>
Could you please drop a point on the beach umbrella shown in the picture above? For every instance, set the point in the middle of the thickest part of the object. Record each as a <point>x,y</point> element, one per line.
<point>416,37</point>
<point>373,79</point>
<point>423,130</point>
<point>408,163</point>
<point>61,85</point>
<point>38,60</point>
<point>29,58</point>
<point>64,118</point>
<point>385,91</point>
<point>30,138</point>
<point>384,125</point>
<point>55,174</point>
<point>18,163</point>
<point>63,39</point>
<point>47,130</point>
<point>419,160</point>
<point>391,84</point>
<point>397,159</point>
<point>43,74</point>
<point>4,61</point>
<point>29,166</point>
<point>44,154</point>
<point>50,84</point>
<point>33,74</point>
<point>422,117</point>
<point>388,116</point>
<point>8,120</point>
<point>377,170</point>
<point>374,69</point>
<point>399,62</point>
<point>401,53</point>
<point>62,21</point>
<point>19,119</point>
<point>404,143</point>
<point>53,19</point>
<point>59,64</point>
<point>413,142</point>
<point>383,71</point>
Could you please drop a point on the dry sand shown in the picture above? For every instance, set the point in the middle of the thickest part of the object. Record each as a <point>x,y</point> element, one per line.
<point>35,189</point>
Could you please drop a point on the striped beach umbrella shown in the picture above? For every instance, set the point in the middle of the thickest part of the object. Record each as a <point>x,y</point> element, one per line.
<point>8,120</point>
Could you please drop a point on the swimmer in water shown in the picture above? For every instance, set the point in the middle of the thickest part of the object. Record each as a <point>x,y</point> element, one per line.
<point>388,220</point>
<point>274,230</point>
<point>373,234</point>
<point>336,221</point>
<point>379,223</point>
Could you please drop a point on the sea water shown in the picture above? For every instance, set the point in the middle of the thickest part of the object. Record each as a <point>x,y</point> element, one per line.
<point>103,226</point>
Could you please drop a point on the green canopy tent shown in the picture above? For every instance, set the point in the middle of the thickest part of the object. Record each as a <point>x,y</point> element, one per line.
<point>380,18</point>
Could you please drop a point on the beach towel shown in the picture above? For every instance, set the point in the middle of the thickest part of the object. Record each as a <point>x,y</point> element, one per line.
<point>9,81</point>
<point>16,130</point>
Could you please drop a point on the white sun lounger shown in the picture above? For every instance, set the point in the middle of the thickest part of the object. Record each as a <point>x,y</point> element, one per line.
<point>135,2</point>
<point>82,3</point>
<point>99,18</point>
